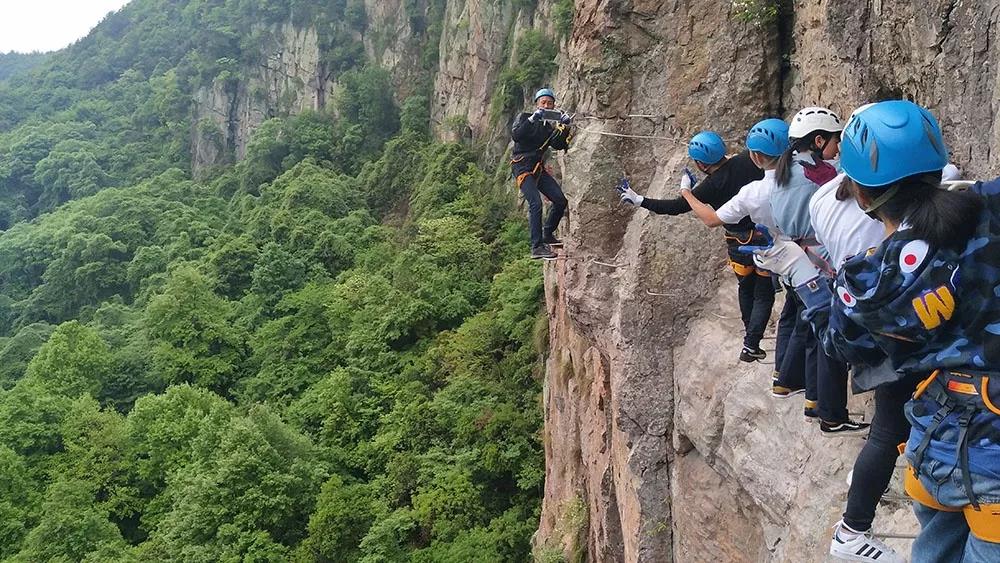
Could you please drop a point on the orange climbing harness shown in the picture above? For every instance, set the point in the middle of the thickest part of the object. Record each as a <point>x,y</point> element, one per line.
<point>983,519</point>
<point>520,177</point>
<point>984,523</point>
<point>744,270</point>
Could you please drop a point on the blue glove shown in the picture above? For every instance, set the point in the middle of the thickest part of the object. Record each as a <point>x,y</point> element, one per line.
<point>537,115</point>
<point>783,257</point>
<point>764,241</point>
<point>691,176</point>
<point>623,185</point>
<point>566,119</point>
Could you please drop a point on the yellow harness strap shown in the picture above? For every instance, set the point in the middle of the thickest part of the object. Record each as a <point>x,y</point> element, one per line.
<point>741,269</point>
<point>983,523</point>
<point>534,172</point>
<point>915,490</point>
<point>923,387</point>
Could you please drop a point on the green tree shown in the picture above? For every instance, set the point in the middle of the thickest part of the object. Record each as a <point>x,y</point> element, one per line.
<point>259,483</point>
<point>188,327</point>
<point>365,101</point>
<point>70,170</point>
<point>343,514</point>
<point>74,361</point>
<point>16,352</point>
<point>71,526</point>
<point>17,500</point>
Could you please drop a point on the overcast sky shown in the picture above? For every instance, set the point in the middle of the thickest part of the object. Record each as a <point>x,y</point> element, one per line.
<point>48,25</point>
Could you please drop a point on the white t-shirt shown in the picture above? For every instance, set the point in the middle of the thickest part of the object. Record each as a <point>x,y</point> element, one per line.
<point>841,226</point>
<point>753,199</point>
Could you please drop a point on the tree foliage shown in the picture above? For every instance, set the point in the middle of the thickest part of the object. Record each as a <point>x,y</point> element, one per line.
<point>323,352</point>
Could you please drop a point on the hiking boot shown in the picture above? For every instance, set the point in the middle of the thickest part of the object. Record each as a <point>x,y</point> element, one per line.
<point>752,355</point>
<point>850,545</point>
<point>543,252</point>
<point>782,392</point>
<point>551,240</point>
<point>810,411</point>
<point>840,428</point>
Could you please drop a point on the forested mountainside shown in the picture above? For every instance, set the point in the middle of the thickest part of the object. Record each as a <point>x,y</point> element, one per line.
<point>320,344</point>
<point>16,63</point>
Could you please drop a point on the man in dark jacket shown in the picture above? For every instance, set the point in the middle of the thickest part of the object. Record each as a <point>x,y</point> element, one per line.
<point>533,135</point>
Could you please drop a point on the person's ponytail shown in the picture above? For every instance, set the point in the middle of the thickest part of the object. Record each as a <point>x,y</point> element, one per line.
<point>784,170</point>
<point>940,217</point>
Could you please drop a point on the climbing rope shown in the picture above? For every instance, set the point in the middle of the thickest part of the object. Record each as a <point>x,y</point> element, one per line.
<point>627,136</point>
<point>677,140</point>
<point>643,115</point>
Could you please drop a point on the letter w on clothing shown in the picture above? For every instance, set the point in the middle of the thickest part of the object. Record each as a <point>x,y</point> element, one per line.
<point>935,307</point>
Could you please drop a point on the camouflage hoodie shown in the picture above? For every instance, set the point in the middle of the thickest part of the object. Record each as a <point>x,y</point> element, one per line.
<point>923,307</point>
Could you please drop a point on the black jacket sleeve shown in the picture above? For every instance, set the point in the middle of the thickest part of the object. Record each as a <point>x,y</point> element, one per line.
<point>675,206</point>
<point>523,130</point>
<point>707,191</point>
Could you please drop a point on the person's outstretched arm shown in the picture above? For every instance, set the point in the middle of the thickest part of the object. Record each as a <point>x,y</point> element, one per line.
<point>703,211</point>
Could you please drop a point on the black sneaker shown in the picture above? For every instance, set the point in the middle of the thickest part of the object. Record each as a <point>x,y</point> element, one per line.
<point>751,355</point>
<point>543,252</point>
<point>551,240</point>
<point>842,428</point>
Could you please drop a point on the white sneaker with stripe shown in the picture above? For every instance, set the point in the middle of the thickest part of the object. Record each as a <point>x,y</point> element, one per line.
<point>850,545</point>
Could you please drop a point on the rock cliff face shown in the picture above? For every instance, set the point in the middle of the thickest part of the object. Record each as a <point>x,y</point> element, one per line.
<point>289,77</point>
<point>676,450</point>
<point>660,446</point>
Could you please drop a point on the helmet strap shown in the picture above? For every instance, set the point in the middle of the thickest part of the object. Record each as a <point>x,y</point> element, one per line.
<point>825,144</point>
<point>880,200</point>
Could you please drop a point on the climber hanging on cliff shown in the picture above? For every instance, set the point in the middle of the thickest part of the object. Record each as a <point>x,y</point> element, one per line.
<point>725,177</point>
<point>925,300</point>
<point>533,134</point>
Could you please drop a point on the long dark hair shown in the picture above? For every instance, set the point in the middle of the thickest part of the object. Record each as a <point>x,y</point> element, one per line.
<point>784,173</point>
<point>942,218</point>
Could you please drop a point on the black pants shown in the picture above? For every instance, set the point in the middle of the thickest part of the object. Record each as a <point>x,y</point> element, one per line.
<point>533,188</point>
<point>830,383</point>
<point>786,325</point>
<point>756,294</point>
<point>877,460</point>
<point>790,349</point>
<point>804,364</point>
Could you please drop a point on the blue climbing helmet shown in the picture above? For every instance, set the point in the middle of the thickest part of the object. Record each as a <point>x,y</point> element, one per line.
<point>707,147</point>
<point>888,141</point>
<point>769,137</point>
<point>545,92</point>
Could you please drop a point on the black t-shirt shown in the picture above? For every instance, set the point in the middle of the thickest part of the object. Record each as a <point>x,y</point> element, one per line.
<point>715,190</point>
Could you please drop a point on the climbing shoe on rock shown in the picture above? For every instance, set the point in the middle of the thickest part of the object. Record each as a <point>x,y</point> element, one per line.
<point>551,240</point>
<point>782,392</point>
<point>840,428</point>
<point>751,355</point>
<point>850,545</point>
<point>543,252</point>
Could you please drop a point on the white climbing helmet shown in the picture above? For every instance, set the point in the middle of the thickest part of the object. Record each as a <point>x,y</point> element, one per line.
<point>814,119</point>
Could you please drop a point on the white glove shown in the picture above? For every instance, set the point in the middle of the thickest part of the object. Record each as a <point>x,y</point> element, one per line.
<point>788,260</point>
<point>536,115</point>
<point>950,173</point>
<point>631,198</point>
<point>685,182</point>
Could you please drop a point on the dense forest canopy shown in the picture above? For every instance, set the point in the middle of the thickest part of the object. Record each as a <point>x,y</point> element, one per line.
<point>325,351</point>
